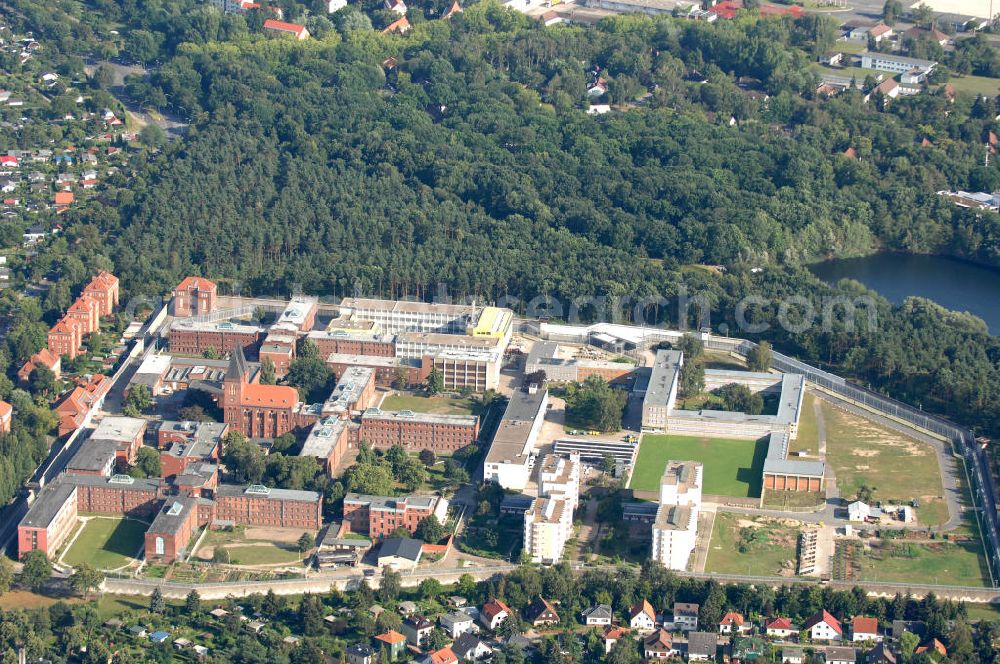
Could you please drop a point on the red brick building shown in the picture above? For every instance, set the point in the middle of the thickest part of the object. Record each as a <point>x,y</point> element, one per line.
<point>104,289</point>
<point>257,505</point>
<point>418,431</point>
<point>170,533</point>
<point>185,443</point>
<point>187,337</point>
<point>72,410</point>
<point>65,338</point>
<point>380,516</point>
<point>44,357</point>
<point>87,311</point>
<point>119,494</point>
<point>345,343</point>
<point>195,296</point>
<point>255,410</point>
<point>48,523</point>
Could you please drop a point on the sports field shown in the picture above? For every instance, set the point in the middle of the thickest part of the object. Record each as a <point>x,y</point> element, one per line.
<point>732,467</point>
<point>107,542</point>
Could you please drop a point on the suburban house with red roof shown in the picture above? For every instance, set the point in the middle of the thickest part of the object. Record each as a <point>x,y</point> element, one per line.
<point>642,617</point>
<point>934,648</point>
<point>612,634</point>
<point>781,628</point>
<point>493,613</point>
<point>443,656</point>
<point>6,416</point>
<point>865,629</point>
<point>282,28</point>
<point>733,623</point>
<point>402,26</point>
<point>824,627</point>
<point>393,641</point>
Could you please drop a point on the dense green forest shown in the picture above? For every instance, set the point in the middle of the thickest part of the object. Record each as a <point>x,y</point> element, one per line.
<point>473,163</point>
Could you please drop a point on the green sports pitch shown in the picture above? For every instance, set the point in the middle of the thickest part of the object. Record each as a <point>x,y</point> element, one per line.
<point>732,467</point>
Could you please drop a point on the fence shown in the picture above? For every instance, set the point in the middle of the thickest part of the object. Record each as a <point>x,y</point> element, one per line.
<point>982,487</point>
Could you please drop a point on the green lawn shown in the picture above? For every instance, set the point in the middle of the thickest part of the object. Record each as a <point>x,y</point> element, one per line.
<point>264,553</point>
<point>898,467</point>
<point>438,404</point>
<point>944,563</point>
<point>769,546</point>
<point>107,543</point>
<point>982,85</point>
<point>732,467</point>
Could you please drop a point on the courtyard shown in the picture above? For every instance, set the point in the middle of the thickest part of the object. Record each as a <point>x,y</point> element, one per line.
<point>731,467</point>
<point>106,542</point>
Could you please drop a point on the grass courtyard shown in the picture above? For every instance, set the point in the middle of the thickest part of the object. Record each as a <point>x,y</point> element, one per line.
<point>898,467</point>
<point>442,405</point>
<point>732,467</point>
<point>758,546</point>
<point>107,542</point>
<point>944,563</point>
<point>253,546</point>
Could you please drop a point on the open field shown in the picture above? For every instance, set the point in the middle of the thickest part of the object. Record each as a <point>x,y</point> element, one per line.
<point>107,542</point>
<point>437,404</point>
<point>982,85</point>
<point>253,546</point>
<point>732,467</point>
<point>769,545</point>
<point>899,468</point>
<point>945,563</point>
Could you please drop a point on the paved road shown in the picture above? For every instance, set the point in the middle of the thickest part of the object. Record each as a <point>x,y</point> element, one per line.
<point>173,125</point>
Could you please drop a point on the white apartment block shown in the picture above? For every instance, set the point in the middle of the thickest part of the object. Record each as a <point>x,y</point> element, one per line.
<point>676,526</point>
<point>548,525</point>
<point>674,534</point>
<point>559,477</point>
<point>395,316</point>
<point>681,483</point>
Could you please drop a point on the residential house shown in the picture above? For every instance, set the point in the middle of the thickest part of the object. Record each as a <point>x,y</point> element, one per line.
<point>280,27</point>
<point>685,616</point>
<point>865,629</point>
<point>880,654</point>
<point>493,613</point>
<point>393,642</point>
<point>839,654</point>
<point>658,646</point>
<point>793,655</point>
<point>416,629</point>
<point>402,26</point>
<point>469,648</point>
<point>781,628</point>
<point>406,608</point>
<point>443,656</point>
<point>397,6</point>
<point>824,627</point>
<point>732,623</point>
<point>457,623</point>
<point>642,617</point>
<point>702,646</point>
<point>598,615</point>
<point>934,648</point>
<point>541,612</point>
<point>917,627</point>
<point>612,635</point>
<point>361,653</point>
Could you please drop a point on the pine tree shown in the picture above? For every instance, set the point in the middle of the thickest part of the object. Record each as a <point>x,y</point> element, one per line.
<point>156,603</point>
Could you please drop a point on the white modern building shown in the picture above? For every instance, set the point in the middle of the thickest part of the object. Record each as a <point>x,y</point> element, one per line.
<point>661,392</point>
<point>896,64</point>
<point>395,316</point>
<point>675,528</point>
<point>511,455</point>
<point>548,525</point>
<point>559,476</point>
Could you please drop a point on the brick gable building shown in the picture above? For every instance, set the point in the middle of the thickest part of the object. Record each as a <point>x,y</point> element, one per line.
<point>255,410</point>
<point>195,296</point>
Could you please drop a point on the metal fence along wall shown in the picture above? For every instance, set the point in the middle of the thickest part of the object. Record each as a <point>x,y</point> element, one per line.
<point>983,488</point>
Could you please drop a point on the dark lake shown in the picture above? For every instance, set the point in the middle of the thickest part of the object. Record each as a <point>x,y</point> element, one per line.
<point>951,283</point>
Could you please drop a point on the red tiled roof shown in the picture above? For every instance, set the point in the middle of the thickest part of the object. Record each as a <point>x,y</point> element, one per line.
<point>444,656</point>
<point>732,618</point>
<point>280,396</point>
<point>196,283</point>
<point>824,617</point>
<point>863,625</point>
<point>5,410</point>
<point>613,632</point>
<point>271,24</point>
<point>642,607</point>
<point>390,637</point>
<point>493,608</point>
<point>400,26</point>
<point>932,646</point>
<point>64,197</point>
<point>779,623</point>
